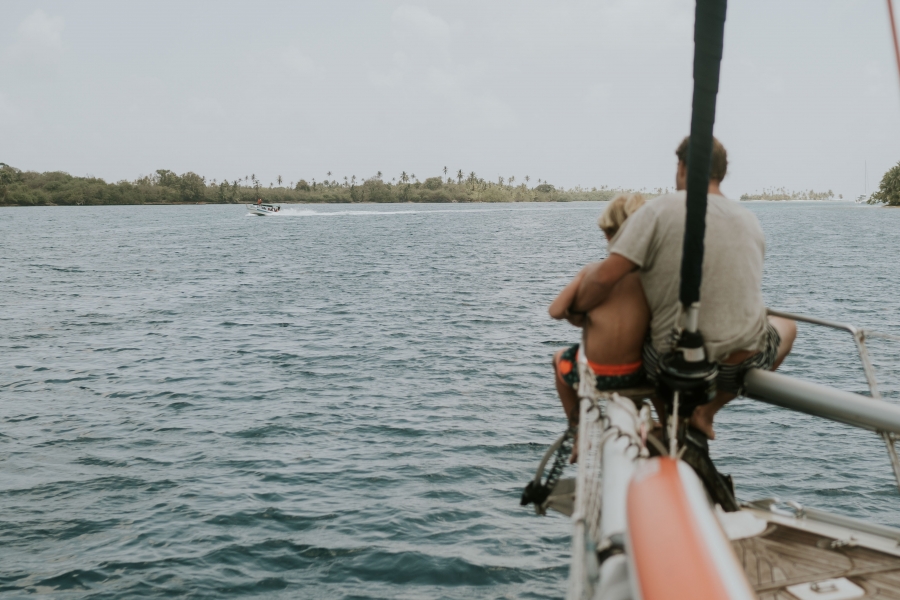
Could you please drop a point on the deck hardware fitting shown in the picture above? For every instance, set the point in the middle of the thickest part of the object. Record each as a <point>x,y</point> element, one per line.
<point>799,511</point>
<point>840,588</point>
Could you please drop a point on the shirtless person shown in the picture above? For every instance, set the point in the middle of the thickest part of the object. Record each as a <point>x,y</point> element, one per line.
<point>614,331</point>
<point>733,321</point>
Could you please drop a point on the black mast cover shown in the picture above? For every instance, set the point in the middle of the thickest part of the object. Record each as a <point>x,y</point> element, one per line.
<point>709,30</point>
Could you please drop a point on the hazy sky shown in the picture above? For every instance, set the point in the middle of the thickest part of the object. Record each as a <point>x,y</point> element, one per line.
<point>587,93</point>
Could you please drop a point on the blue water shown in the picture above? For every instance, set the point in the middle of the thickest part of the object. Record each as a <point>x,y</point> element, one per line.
<point>344,402</point>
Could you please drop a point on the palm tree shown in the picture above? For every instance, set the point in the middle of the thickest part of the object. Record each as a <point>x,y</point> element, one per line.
<point>328,173</point>
<point>500,180</point>
<point>445,171</point>
<point>253,177</point>
<point>279,180</point>
<point>345,180</point>
<point>459,176</point>
<point>527,179</point>
<point>404,177</point>
<point>511,179</point>
<point>378,174</point>
<point>353,180</point>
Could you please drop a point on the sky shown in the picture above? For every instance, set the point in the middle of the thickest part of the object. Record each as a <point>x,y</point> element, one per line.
<point>571,92</point>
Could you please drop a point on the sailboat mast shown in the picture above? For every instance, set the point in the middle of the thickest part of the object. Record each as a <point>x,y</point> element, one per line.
<point>894,32</point>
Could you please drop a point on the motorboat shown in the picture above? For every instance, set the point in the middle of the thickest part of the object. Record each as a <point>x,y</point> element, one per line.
<point>651,523</point>
<point>263,209</point>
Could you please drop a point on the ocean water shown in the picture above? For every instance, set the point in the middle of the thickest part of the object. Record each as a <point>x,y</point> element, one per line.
<point>345,401</point>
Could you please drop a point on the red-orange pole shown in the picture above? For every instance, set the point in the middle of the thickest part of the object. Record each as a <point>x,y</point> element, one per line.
<point>894,32</point>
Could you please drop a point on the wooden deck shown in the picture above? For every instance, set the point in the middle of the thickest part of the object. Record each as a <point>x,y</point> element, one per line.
<point>783,556</point>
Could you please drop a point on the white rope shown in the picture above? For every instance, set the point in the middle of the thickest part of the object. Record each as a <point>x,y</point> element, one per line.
<point>594,430</point>
<point>588,493</point>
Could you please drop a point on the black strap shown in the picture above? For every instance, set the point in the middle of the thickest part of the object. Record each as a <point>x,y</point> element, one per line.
<point>709,31</point>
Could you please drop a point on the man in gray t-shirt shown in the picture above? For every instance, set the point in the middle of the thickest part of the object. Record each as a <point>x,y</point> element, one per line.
<point>736,331</point>
<point>732,314</point>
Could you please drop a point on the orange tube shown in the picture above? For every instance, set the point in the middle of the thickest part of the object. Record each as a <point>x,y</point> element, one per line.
<point>675,554</point>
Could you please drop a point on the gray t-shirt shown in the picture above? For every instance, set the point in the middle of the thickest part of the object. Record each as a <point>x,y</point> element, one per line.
<point>732,312</point>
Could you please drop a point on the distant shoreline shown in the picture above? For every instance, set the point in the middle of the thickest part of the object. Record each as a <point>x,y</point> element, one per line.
<point>833,200</point>
<point>238,204</point>
<point>536,201</point>
<point>164,187</point>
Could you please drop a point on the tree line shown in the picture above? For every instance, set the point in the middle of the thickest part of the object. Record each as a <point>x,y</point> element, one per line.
<point>889,189</point>
<point>29,188</point>
<point>783,194</point>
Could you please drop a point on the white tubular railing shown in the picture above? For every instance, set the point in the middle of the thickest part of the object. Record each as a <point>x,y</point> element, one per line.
<point>859,337</point>
<point>829,403</point>
<point>822,401</point>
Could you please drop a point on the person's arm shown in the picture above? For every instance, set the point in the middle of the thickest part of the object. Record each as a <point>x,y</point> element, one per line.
<point>598,280</point>
<point>559,308</point>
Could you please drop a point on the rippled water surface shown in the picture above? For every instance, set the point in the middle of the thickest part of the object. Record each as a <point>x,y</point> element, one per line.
<point>344,402</point>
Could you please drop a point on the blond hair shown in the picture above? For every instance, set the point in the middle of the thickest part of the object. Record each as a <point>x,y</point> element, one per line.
<point>621,207</point>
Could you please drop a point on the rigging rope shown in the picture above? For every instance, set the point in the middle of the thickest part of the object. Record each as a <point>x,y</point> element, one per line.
<point>894,33</point>
<point>538,489</point>
<point>588,497</point>
<point>594,431</point>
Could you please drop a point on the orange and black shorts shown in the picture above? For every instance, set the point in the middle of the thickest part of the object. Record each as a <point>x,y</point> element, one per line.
<point>609,377</point>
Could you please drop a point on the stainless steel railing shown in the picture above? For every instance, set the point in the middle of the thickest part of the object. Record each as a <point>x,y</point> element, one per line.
<point>822,401</point>
<point>826,402</point>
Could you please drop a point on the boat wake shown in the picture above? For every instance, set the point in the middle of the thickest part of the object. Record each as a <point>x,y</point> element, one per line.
<point>303,212</point>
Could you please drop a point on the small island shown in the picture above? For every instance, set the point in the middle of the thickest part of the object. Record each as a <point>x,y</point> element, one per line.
<point>29,188</point>
<point>783,195</point>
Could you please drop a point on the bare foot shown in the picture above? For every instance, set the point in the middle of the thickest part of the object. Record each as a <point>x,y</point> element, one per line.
<point>702,419</point>
<point>573,458</point>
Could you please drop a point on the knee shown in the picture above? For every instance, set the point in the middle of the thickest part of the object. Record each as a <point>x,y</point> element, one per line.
<point>555,360</point>
<point>787,330</point>
<point>789,333</point>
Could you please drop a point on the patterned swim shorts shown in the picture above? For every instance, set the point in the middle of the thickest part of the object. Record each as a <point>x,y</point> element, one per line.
<point>730,377</point>
<point>609,377</point>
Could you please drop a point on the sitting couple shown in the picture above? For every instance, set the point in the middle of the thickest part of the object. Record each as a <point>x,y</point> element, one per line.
<point>636,288</point>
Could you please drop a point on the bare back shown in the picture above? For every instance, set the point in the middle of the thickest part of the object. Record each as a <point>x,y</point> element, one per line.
<point>615,330</point>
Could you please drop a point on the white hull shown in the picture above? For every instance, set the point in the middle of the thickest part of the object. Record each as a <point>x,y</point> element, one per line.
<point>262,210</point>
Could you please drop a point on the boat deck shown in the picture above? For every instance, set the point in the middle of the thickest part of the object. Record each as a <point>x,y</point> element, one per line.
<point>784,556</point>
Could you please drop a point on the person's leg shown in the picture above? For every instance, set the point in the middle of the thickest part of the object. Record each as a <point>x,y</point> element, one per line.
<point>787,331</point>
<point>703,416</point>
<point>567,394</point>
